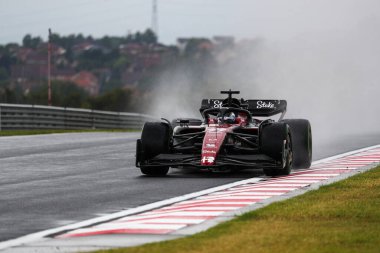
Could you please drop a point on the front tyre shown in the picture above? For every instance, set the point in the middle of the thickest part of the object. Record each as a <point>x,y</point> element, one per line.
<point>276,142</point>
<point>155,139</point>
<point>302,142</point>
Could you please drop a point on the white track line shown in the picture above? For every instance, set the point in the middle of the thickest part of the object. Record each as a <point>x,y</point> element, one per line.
<point>45,233</point>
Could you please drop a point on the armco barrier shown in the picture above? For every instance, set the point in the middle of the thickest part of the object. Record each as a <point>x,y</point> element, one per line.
<point>14,117</point>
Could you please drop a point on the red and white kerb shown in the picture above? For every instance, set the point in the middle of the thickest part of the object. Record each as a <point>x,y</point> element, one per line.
<point>188,213</point>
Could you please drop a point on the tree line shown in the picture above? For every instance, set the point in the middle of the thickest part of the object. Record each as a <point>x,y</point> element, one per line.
<point>109,63</point>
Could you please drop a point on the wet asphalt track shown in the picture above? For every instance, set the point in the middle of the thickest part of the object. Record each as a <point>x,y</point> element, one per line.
<point>53,180</point>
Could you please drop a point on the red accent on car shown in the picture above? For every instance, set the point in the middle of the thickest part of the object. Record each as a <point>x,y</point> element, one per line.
<point>212,142</point>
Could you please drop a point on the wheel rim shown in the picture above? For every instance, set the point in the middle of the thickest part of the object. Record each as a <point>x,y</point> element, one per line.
<point>288,156</point>
<point>310,144</point>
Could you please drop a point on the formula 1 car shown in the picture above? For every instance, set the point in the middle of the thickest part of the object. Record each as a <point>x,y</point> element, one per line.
<point>233,134</point>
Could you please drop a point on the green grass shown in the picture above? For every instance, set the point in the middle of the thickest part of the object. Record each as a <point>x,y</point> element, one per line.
<point>341,217</point>
<point>34,132</point>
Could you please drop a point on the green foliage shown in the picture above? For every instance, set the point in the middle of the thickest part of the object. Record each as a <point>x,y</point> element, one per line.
<point>103,58</point>
<point>96,58</point>
<point>31,42</point>
<point>148,37</point>
<point>11,46</point>
<point>4,74</point>
<point>112,42</point>
<point>115,100</point>
<point>91,59</point>
<point>67,41</point>
<point>64,94</point>
<point>11,95</point>
<point>6,60</point>
<point>112,84</point>
<point>120,63</point>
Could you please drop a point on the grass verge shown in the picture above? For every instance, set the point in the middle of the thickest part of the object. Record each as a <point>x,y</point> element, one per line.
<point>341,217</point>
<point>34,132</point>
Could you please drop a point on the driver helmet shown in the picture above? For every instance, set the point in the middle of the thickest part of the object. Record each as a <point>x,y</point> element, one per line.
<point>231,118</point>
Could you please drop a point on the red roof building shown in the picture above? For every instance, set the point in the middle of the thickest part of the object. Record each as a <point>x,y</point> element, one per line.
<point>88,81</point>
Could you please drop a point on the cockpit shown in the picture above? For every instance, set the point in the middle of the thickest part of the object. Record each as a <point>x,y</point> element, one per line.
<point>227,115</point>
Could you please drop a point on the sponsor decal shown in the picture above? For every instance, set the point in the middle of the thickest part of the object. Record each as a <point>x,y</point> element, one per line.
<point>217,130</point>
<point>209,152</point>
<point>212,140</point>
<point>208,159</point>
<point>262,104</point>
<point>210,145</point>
<point>217,104</point>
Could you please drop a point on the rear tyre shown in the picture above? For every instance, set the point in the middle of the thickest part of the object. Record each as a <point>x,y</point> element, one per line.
<point>302,142</point>
<point>155,139</point>
<point>276,142</point>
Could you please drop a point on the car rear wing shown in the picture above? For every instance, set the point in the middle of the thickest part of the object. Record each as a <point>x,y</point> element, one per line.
<point>259,108</point>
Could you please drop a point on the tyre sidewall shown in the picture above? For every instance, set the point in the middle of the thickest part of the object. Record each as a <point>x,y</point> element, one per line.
<point>302,142</point>
<point>155,139</point>
<point>272,139</point>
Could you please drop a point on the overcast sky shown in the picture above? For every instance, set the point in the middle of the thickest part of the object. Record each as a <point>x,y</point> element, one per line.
<point>323,56</point>
<point>278,19</point>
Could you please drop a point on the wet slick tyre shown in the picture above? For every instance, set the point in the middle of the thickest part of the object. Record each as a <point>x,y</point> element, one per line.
<point>154,141</point>
<point>276,142</point>
<point>300,130</point>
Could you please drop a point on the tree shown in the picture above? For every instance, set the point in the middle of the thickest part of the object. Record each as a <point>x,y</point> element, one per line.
<point>114,100</point>
<point>6,61</point>
<point>11,95</point>
<point>30,42</point>
<point>193,44</point>
<point>4,75</point>
<point>149,37</point>
<point>65,94</point>
<point>55,38</point>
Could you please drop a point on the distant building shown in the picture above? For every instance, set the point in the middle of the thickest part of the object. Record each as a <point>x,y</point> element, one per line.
<point>28,76</point>
<point>32,69</point>
<point>194,45</point>
<point>36,58</point>
<point>62,74</point>
<point>224,50</point>
<point>142,58</point>
<point>224,41</point>
<point>80,48</point>
<point>131,77</point>
<point>87,81</point>
<point>182,44</point>
<point>132,48</point>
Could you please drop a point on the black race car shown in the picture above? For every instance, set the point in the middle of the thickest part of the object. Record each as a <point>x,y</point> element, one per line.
<point>233,134</point>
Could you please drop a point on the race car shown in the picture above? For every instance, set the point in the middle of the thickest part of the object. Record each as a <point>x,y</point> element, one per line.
<point>233,134</point>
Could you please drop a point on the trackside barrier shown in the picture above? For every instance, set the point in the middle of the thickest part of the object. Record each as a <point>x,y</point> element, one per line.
<point>13,117</point>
